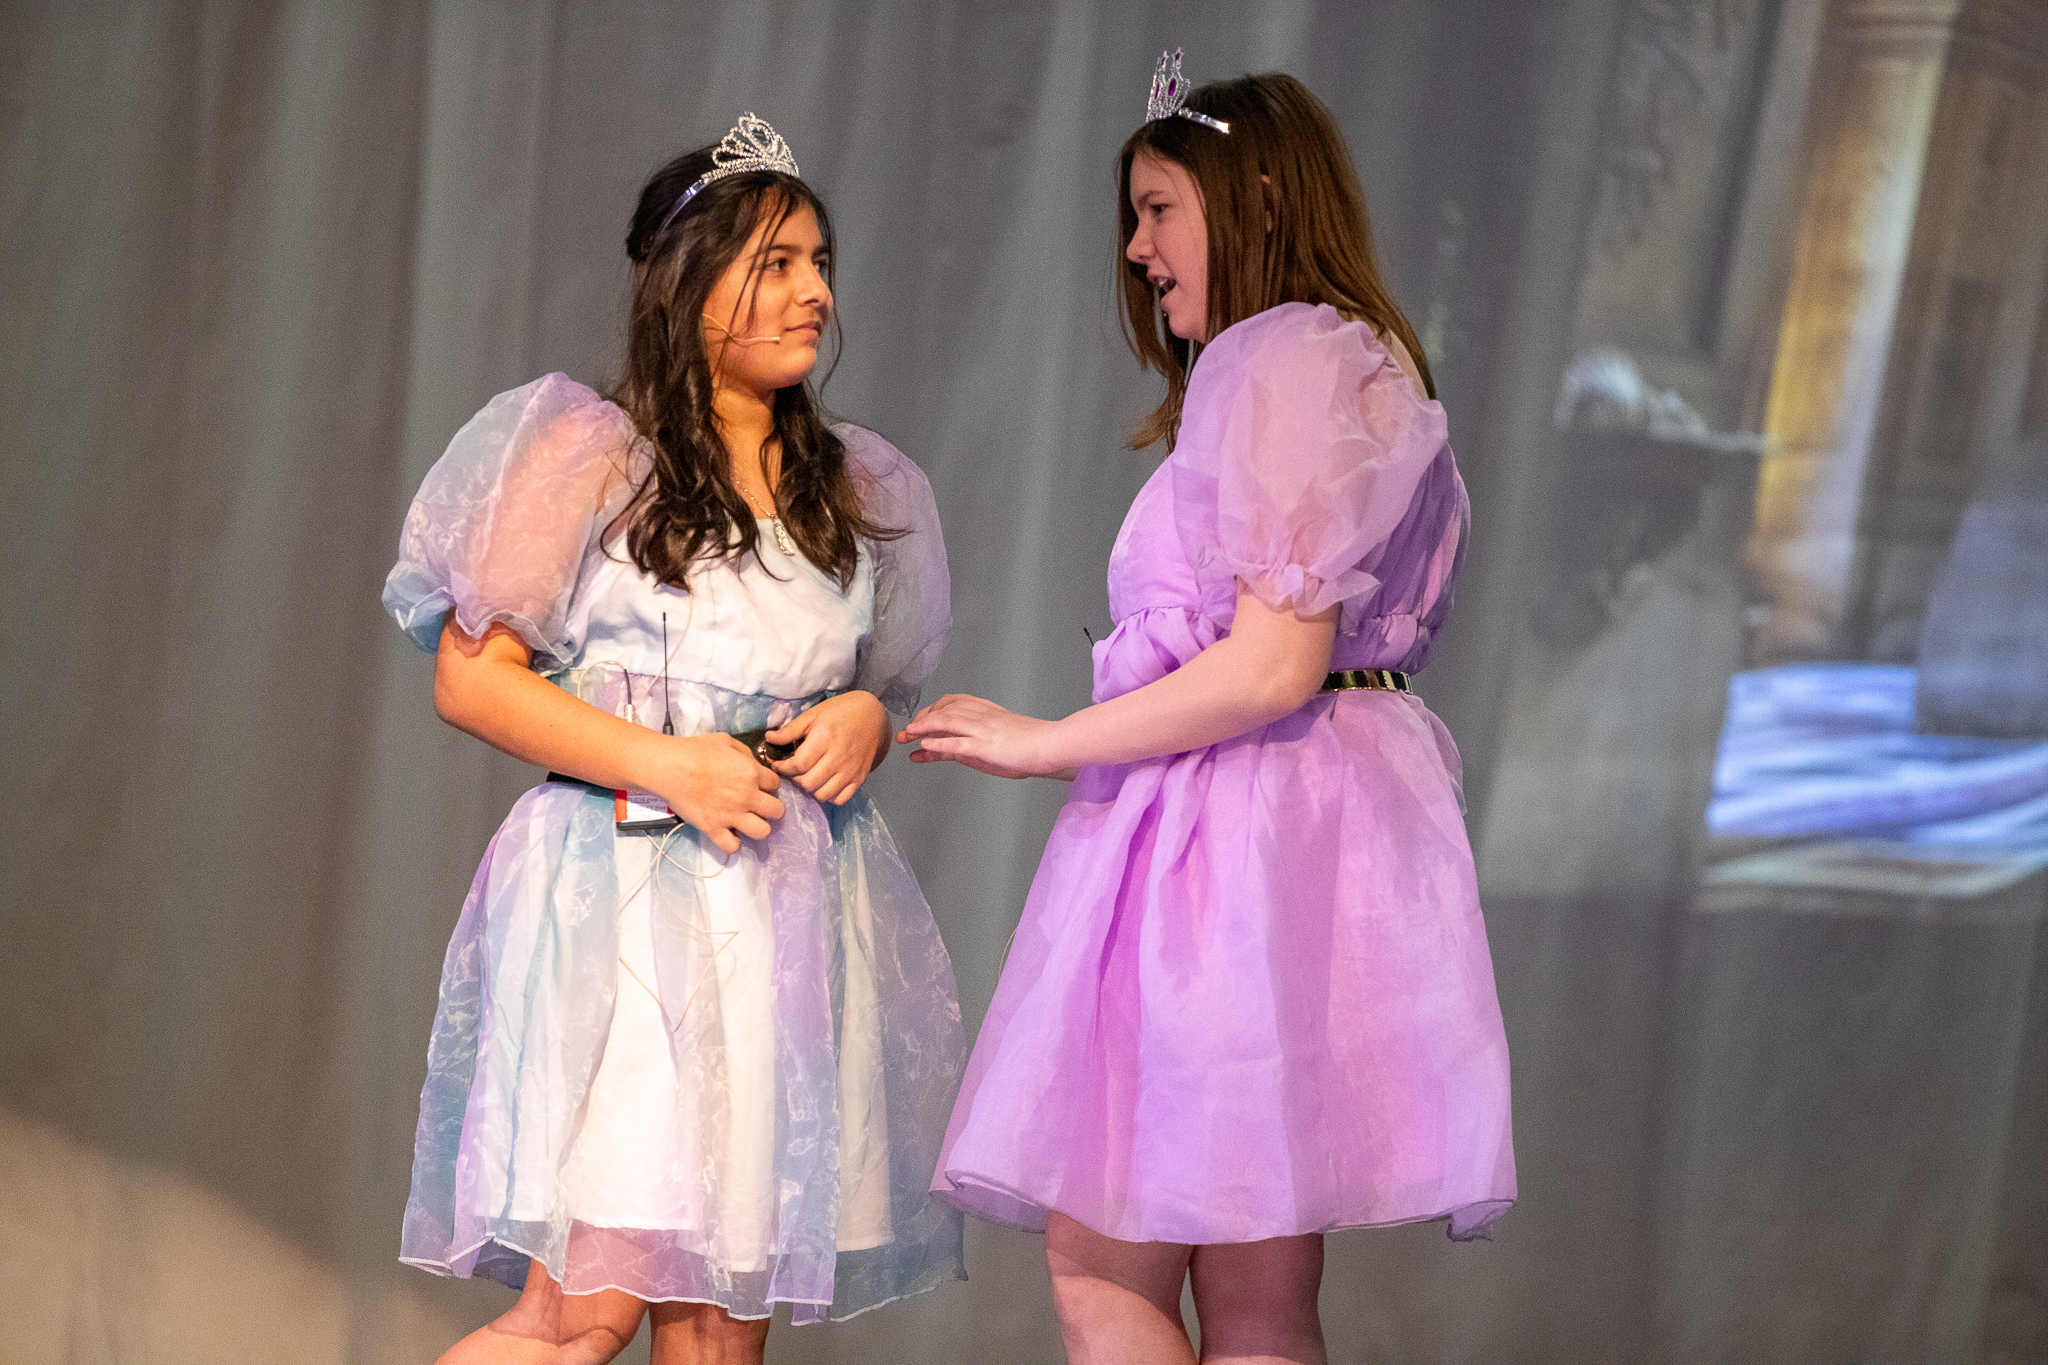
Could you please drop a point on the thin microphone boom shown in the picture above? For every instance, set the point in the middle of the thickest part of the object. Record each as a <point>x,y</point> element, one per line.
<point>744,341</point>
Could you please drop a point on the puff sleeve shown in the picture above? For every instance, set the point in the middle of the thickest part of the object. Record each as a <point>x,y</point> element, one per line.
<point>913,592</point>
<point>1302,444</point>
<point>503,521</point>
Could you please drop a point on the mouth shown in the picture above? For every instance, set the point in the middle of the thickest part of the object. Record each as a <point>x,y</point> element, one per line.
<point>1162,285</point>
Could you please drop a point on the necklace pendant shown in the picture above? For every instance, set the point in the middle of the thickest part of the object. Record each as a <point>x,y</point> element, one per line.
<point>783,542</point>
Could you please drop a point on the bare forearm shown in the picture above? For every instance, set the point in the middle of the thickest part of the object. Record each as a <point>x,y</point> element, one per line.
<point>520,713</point>
<point>1270,663</point>
<point>1219,694</point>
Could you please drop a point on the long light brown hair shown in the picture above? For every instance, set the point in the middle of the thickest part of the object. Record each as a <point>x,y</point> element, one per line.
<point>689,505</point>
<point>1318,248</point>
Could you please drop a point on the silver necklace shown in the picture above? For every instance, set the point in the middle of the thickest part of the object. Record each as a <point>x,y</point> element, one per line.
<point>783,542</point>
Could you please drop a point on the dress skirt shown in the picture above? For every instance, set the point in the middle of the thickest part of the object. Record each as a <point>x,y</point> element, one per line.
<point>1250,997</point>
<point>690,1076</point>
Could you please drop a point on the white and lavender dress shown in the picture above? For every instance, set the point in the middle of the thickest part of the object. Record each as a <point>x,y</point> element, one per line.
<point>654,1067</point>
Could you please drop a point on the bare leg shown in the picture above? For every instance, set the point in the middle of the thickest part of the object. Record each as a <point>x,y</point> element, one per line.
<point>705,1334</point>
<point>1118,1302</point>
<point>548,1327</point>
<point>1256,1301</point>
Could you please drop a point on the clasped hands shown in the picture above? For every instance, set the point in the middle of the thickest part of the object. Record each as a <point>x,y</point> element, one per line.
<point>715,783</point>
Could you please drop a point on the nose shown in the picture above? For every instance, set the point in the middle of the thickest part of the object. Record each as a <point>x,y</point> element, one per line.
<point>812,289</point>
<point>1139,249</point>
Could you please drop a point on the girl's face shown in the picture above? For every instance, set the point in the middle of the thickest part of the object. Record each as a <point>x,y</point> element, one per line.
<point>1171,242</point>
<point>762,330</point>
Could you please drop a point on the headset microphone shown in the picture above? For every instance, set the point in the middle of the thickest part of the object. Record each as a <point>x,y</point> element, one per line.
<point>744,341</point>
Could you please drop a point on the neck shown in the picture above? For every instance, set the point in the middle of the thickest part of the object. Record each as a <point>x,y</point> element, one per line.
<point>746,419</point>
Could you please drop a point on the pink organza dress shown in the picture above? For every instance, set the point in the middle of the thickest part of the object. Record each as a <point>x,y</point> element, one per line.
<point>1250,995</point>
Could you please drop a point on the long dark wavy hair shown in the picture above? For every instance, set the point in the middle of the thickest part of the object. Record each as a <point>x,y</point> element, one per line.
<point>689,506</point>
<point>1318,248</point>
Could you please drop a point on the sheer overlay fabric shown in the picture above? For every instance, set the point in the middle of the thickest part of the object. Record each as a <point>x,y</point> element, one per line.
<point>1251,994</point>
<point>656,1067</point>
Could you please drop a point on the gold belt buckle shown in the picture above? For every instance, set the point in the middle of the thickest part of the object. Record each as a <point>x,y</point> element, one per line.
<point>1366,680</point>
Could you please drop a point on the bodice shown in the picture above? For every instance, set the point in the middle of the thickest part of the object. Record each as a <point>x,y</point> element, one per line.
<point>750,633</point>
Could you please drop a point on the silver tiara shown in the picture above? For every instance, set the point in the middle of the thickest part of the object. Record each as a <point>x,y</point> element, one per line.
<point>751,146</point>
<point>1170,93</point>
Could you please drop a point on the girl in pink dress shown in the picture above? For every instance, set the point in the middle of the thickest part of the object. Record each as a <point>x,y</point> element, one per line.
<point>1250,998</point>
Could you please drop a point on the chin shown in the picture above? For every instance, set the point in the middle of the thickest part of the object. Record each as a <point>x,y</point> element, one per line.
<point>796,372</point>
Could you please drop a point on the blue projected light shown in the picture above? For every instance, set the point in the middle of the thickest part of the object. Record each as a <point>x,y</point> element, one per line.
<point>1821,763</point>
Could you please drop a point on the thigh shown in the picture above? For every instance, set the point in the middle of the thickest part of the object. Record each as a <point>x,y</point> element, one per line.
<point>1259,1298</point>
<point>1118,1302</point>
<point>1154,1271</point>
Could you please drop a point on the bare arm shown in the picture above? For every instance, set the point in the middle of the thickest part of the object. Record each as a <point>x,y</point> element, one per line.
<point>1269,665</point>
<point>485,686</point>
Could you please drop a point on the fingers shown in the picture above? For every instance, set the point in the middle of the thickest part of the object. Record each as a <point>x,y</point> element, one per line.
<point>793,729</point>
<point>726,841</point>
<point>954,716</point>
<point>939,712</point>
<point>810,754</point>
<point>764,778</point>
<point>803,767</point>
<point>753,826</point>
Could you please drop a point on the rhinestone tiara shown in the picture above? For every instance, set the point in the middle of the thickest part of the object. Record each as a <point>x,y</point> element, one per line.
<point>1170,93</point>
<point>751,146</point>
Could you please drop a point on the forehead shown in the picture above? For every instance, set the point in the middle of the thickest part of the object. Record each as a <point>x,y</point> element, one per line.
<point>1156,175</point>
<point>799,231</point>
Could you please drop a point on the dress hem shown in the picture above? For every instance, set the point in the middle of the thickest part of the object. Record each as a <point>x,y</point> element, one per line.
<point>446,1269</point>
<point>963,1186</point>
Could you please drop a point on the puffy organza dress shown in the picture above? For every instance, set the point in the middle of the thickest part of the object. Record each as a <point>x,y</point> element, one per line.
<point>654,1067</point>
<point>1250,995</point>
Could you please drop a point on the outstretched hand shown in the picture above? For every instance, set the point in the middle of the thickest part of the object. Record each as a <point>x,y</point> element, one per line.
<point>838,743</point>
<point>983,736</point>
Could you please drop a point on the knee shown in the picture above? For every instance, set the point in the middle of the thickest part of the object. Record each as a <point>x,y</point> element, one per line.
<point>592,1347</point>
<point>1081,1291</point>
<point>707,1330</point>
<point>1291,1331</point>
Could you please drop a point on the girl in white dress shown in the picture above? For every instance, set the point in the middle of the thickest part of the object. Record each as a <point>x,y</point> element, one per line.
<point>702,1066</point>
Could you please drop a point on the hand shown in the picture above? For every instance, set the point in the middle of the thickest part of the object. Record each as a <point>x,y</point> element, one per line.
<point>838,743</point>
<point>718,787</point>
<point>982,736</point>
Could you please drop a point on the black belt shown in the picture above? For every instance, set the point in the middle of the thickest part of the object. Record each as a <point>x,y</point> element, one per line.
<point>1366,679</point>
<point>766,754</point>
